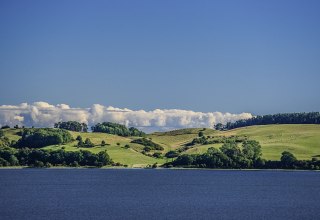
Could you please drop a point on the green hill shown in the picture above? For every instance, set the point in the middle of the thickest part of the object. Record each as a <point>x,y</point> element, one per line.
<point>301,140</point>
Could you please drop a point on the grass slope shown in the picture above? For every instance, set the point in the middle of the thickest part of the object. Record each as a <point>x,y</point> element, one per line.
<point>302,140</point>
<point>131,157</point>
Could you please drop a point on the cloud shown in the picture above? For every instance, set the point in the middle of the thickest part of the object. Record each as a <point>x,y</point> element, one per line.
<point>43,114</point>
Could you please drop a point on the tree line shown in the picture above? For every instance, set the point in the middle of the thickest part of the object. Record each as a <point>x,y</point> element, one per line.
<point>72,126</point>
<point>284,118</point>
<point>44,158</point>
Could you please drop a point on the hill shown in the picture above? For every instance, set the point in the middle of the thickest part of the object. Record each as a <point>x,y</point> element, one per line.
<point>301,140</point>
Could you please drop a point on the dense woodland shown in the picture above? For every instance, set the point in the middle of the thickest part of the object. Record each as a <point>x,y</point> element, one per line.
<point>285,118</point>
<point>117,129</point>
<point>72,126</point>
<point>41,137</point>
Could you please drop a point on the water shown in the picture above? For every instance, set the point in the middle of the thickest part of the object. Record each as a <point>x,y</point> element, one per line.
<point>158,194</point>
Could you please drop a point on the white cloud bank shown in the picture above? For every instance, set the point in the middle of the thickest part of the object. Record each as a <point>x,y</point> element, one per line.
<point>42,114</point>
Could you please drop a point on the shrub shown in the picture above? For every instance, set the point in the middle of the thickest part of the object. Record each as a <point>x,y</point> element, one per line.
<point>171,154</point>
<point>157,155</point>
<point>88,143</point>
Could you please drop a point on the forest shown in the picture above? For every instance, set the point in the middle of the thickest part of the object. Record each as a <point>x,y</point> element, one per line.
<point>283,118</point>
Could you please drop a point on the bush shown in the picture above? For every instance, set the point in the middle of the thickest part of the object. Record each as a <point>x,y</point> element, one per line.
<point>157,155</point>
<point>88,143</point>
<point>171,154</point>
<point>38,164</point>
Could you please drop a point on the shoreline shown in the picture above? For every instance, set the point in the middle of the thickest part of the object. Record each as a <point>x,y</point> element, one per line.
<point>142,168</point>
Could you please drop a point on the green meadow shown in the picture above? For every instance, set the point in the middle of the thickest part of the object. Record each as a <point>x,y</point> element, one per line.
<point>302,140</point>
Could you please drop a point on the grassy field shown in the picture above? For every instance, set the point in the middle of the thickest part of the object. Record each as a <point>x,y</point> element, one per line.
<point>115,148</point>
<point>302,140</point>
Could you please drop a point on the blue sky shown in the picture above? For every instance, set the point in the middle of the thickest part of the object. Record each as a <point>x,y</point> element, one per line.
<point>230,56</point>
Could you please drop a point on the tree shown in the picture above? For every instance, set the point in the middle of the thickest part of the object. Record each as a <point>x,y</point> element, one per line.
<point>288,159</point>
<point>200,134</point>
<point>219,127</point>
<point>184,160</point>
<point>252,150</point>
<point>88,143</point>
<point>84,127</point>
<point>148,143</point>
<point>79,138</point>
<point>157,155</point>
<point>103,143</point>
<point>117,129</point>
<point>231,149</point>
<point>104,158</point>
<point>40,137</point>
<point>13,161</point>
<point>72,126</point>
<point>80,143</point>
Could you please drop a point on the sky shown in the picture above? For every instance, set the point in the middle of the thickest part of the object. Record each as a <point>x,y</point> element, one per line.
<point>259,57</point>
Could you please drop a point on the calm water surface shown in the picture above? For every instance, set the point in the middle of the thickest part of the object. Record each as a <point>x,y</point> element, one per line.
<point>158,194</point>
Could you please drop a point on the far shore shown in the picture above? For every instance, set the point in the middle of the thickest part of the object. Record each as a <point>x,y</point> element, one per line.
<point>159,168</point>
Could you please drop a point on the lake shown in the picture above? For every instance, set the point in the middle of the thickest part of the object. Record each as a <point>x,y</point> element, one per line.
<point>158,194</point>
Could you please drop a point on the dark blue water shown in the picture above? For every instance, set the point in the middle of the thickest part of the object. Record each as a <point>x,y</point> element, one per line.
<point>158,194</point>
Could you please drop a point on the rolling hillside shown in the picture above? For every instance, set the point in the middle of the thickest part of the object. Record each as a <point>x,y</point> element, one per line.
<point>301,140</point>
